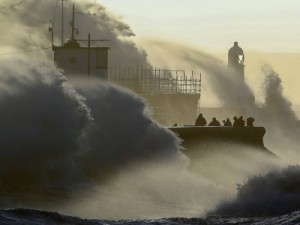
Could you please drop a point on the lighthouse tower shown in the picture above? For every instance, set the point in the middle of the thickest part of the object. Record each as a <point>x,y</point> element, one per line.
<point>236,60</point>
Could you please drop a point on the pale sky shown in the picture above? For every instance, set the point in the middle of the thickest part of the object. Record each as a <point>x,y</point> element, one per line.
<point>270,26</point>
<point>263,25</point>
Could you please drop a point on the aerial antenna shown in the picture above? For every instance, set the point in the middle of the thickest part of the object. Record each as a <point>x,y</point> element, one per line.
<point>73,22</point>
<point>51,29</point>
<point>62,21</point>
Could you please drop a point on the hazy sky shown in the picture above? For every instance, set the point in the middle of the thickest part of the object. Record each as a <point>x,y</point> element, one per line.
<point>264,25</point>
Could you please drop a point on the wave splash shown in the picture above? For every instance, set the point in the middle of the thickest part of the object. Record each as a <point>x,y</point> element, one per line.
<point>276,193</point>
<point>53,137</point>
<point>63,143</point>
<point>68,145</point>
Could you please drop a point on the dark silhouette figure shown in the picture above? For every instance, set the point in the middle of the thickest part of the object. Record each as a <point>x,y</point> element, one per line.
<point>175,125</point>
<point>241,122</point>
<point>227,123</point>
<point>214,123</point>
<point>235,122</point>
<point>201,121</point>
<point>250,121</point>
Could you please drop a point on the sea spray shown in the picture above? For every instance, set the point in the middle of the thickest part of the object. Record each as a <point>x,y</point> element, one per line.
<point>62,147</point>
<point>276,193</point>
<point>40,115</point>
<point>80,143</point>
<point>227,164</point>
<point>91,150</point>
<point>42,124</point>
<point>30,30</point>
<point>229,92</point>
<point>279,118</point>
<point>275,113</point>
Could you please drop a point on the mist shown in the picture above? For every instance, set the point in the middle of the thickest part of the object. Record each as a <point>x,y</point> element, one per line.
<point>30,30</point>
<point>82,149</point>
<point>276,193</point>
<point>53,136</point>
<point>91,149</point>
<point>275,112</point>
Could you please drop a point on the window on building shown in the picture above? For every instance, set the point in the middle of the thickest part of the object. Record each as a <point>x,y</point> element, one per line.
<point>101,59</point>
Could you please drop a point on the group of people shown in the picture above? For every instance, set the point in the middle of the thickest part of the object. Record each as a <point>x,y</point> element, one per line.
<point>237,122</point>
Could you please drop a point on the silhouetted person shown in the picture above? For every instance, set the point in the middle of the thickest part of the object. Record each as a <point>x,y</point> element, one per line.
<point>227,123</point>
<point>235,122</point>
<point>175,125</point>
<point>214,123</point>
<point>241,122</point>
<point>201,121</point>
<point>250,121</point>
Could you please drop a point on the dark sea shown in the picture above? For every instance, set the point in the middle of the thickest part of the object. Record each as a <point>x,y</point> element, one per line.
<point>33,217</point>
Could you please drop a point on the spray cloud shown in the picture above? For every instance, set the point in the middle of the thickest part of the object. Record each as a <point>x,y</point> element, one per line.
<point>60,137</point>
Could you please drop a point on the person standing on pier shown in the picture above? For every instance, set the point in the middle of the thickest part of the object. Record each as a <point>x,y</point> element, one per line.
<point>201,121</point>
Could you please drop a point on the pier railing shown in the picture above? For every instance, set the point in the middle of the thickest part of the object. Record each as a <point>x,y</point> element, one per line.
<point>152,81</point>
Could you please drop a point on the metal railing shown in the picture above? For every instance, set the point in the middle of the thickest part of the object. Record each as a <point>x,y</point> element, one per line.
<point>150,81</point>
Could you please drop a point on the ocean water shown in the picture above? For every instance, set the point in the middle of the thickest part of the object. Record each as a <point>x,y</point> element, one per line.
<point>34,217</point>
<point>90,150</point>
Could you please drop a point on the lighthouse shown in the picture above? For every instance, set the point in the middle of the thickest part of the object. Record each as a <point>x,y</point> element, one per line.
<point>236,60</point>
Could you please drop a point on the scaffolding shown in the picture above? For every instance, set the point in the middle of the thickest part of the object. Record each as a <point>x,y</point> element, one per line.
<point>170,95</point>
<point>153,81</point>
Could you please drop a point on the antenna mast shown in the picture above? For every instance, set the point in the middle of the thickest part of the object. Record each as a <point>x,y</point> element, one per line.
<point>62,22</point>
<point>73,22</point>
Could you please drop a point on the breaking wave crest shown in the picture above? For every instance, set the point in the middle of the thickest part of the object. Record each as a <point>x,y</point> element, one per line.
<point>90,149</point>
<point>276,193</point>
<point>69,145</point>
<point>53,137</point>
